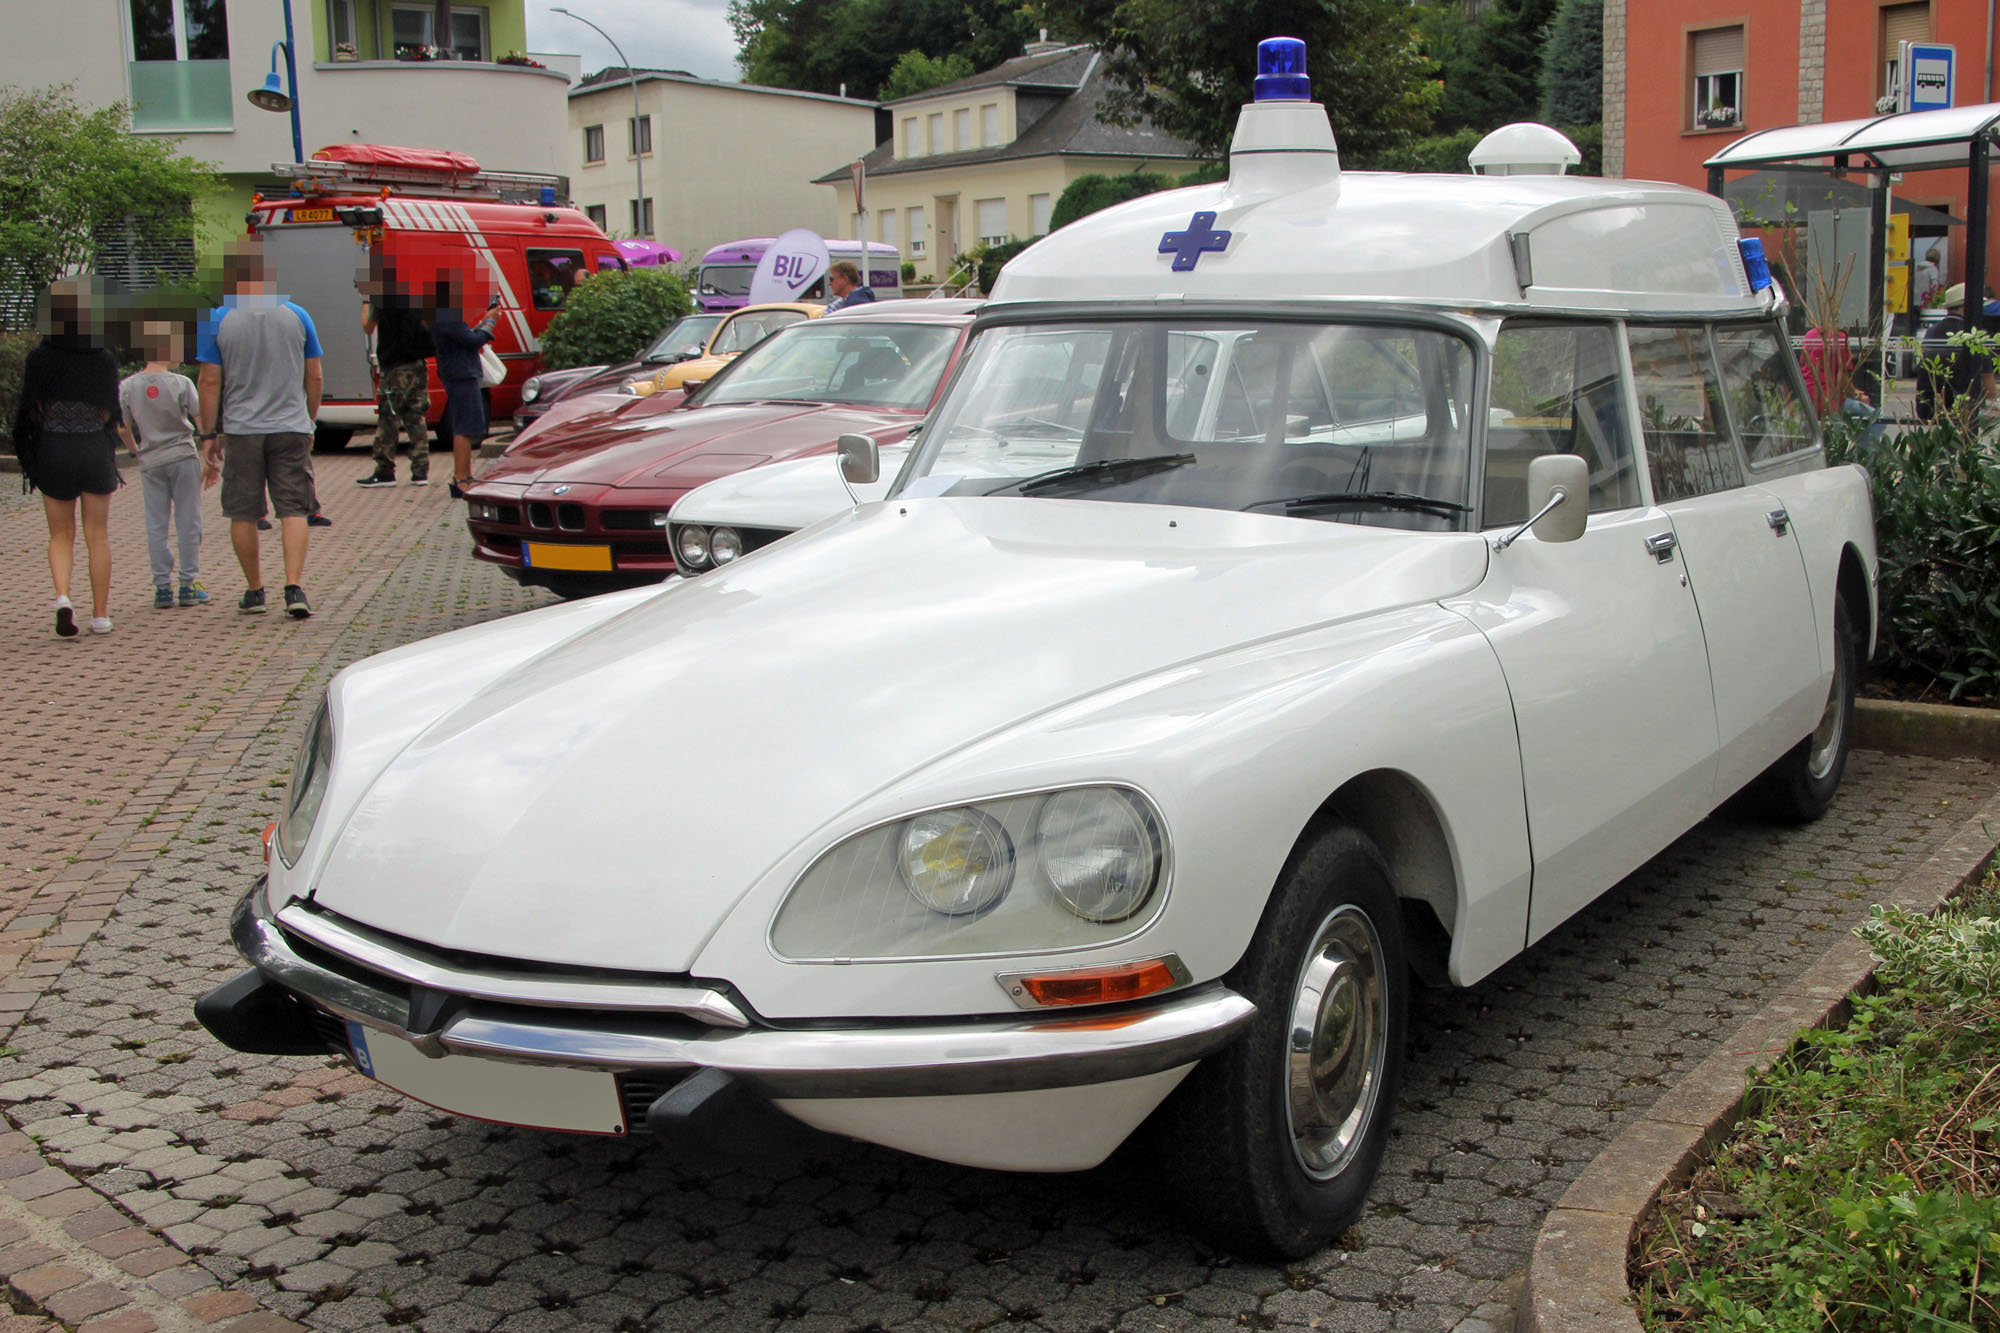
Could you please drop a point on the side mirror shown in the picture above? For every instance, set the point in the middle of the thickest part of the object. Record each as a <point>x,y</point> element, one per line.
<point>1558,500</point>
<point>689,386</point>
<point>860,460</point>
<point>1563,521</point>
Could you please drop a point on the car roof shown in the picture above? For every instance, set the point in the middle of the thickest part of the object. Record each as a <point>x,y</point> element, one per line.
<point>911,311</point>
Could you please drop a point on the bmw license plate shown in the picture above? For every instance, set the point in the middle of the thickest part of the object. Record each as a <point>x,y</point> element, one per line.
<point>560,555</point>
<point>581,1101</point>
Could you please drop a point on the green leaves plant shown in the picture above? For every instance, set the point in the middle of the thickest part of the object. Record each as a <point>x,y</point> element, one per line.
<point>613,317</point>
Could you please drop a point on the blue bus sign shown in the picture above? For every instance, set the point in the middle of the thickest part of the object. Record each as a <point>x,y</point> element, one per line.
<point>1927,75</point>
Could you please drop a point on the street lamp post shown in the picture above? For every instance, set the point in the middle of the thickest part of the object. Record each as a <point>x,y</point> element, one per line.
<point>270,97</point>
<point>645,227</point>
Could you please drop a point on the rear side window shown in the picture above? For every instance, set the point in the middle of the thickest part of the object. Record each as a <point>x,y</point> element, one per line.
<point>1556,390</point>
<point>746,331</point>
<point>1764,400</point>
<point>1688,449</point>
<point>551,276</point>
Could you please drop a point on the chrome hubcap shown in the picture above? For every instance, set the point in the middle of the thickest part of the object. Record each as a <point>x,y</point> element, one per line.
<point>1337,1043</point>
<point>1825,743</point>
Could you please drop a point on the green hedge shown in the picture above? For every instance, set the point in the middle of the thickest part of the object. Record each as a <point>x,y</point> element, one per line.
<point>1937,510</point>
<point>14,348</point>
<point>613,317</point>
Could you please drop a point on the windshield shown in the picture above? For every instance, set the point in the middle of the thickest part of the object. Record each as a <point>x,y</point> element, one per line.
<point>1359,423</point>
<point>726,279</point>
<point>685,332</point>
<point>876,364</point>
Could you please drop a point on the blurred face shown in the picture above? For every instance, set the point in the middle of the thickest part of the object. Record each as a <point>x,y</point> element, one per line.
<point>840,283</point>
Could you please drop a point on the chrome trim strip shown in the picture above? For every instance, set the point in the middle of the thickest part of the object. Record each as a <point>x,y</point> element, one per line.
<point>951,1057</point>
<point>365,948</point>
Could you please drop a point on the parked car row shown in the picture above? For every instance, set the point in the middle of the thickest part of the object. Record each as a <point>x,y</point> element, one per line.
<point>1275,602</point>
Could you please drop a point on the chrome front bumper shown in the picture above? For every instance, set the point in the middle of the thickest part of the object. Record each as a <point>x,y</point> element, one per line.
<point>666,1026</point>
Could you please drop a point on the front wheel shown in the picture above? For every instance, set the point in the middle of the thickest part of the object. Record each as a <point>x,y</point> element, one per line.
<point>1799,787</point>
<point>1275,1141</point>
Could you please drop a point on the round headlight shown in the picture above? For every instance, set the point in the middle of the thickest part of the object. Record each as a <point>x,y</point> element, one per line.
<point>532,389</point>
<point>958,862</point>
<point>724,545</point>
<point>691,547</point>
<point>1099,850</point>
<point>308,785</point>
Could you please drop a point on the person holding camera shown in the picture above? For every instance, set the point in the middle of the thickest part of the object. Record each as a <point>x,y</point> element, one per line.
<point>458,347</point>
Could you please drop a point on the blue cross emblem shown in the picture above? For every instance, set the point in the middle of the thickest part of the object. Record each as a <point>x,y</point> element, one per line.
<point>1187,247</point>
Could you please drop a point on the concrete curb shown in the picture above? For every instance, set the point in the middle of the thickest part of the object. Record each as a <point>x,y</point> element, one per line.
<point>1576,1281</point>
<point>1935,731</point>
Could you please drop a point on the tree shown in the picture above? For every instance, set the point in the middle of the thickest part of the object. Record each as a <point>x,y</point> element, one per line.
<point>613,317</point>
<point>916,72</point>
<point>1573,64</point>
<point>1493,78</point>
<point>1188,64</point>
<point>67,174</point>
<point>821,45</point>
<point>1086,194</point>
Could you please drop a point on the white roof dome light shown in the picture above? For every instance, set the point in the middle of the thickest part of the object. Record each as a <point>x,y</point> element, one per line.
<point>1524,149</point>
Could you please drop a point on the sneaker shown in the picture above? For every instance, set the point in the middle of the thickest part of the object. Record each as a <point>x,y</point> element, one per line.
<point>65,619</point>
<point>100,624</point>
<point>318,520</point>
<point>263,525</point>
<point>380,477</point>
<point>252,603</point>
<point>420,479</point>
<point>296,605</point>
<point>193,594</point>
<point>163,598</point>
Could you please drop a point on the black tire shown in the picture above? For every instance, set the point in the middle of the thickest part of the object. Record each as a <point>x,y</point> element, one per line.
<point>331,439</point>
<point>1799,787</point>
<point>1229,1137</point>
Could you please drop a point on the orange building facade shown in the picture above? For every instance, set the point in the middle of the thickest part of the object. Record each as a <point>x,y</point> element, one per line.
<point>1684,80</point>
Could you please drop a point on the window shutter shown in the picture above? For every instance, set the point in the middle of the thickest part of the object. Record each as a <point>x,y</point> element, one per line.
<point>1904,23</point>
<point>1718,51</point>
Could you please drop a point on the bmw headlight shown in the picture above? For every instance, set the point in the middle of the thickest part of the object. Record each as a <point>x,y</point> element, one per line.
<point>1072,868</point>
<point>691,547</point>
<point>309,773</point>
<point>531,390</point>
<point>724,545</point>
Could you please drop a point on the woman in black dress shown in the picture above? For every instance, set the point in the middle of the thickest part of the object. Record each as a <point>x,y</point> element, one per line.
<point>65,434</point>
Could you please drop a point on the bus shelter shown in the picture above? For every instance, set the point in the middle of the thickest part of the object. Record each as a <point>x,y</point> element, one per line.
<point>1960,136</point>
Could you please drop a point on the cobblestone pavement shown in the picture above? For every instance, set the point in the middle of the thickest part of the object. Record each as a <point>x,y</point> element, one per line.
<point>268,1190</point>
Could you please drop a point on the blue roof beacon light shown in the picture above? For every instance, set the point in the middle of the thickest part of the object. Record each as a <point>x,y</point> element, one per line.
<point>1755,266</point>
<point>1281,71</point>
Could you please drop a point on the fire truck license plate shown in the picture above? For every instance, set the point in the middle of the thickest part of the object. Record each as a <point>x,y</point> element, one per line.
<point>311,215</point>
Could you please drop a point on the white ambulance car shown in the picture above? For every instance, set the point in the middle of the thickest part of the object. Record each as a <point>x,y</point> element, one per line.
<point>1310,582</point>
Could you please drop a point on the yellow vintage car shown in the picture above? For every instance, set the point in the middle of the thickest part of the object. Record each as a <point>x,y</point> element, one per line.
<point>743,330</point>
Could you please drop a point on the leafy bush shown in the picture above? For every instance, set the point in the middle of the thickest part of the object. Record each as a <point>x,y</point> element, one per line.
<point>1937,506</point>
<point>994,258</point>
<point>14,348</point>
<point>1086,194</point>
<point>612,318</point>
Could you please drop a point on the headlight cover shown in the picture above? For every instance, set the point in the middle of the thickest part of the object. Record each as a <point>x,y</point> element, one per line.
<point>532,389</point>
<point>691,547</point>
<point>1043,872</point>
<point>309,773</point>
<point>724,545</point>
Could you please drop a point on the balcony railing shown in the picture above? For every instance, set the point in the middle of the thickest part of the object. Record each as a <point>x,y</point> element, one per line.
<point>181,95</point>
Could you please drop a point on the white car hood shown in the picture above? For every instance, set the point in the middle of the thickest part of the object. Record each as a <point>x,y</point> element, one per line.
<point>794,494</point>
<point>607,802</point>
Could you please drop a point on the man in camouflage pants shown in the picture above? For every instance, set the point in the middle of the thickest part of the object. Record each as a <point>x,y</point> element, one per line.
<point>402,395</point>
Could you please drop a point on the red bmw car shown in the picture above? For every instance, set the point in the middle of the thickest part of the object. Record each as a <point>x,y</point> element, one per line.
<point>584,510</point>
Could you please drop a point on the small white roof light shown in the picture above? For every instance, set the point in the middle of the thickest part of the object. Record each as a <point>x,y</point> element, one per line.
<point>1524,149</point>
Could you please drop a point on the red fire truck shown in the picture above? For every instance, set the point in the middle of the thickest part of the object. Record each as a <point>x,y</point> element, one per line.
<point>430,214</point>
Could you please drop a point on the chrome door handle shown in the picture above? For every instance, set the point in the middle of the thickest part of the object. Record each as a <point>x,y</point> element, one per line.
<point>1779,520</point>
<point>1662,544</point>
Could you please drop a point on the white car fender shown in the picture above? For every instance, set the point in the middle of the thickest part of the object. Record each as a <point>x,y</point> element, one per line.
<point>1239,752</point>
<point>1830,511</point>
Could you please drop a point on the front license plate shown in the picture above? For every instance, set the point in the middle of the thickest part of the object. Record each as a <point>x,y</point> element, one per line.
<point>581,1101</point>
<point>554,555</point>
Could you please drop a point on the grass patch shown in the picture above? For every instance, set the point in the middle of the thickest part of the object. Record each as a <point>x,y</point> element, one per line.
<point>1860,1193</point>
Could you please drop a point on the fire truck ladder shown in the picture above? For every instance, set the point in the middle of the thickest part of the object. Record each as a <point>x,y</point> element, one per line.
<point>322,177</point>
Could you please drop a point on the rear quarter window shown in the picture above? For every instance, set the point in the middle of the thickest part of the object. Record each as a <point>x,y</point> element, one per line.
<point>1765,402</point>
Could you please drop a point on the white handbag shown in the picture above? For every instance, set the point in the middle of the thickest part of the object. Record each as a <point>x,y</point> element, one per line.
<point>492,370</point>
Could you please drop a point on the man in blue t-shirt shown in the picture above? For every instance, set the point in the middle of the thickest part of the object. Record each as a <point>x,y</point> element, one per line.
<point>259,389</point>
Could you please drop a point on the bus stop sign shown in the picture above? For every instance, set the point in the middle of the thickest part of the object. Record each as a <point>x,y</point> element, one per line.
<point>1927,75</point>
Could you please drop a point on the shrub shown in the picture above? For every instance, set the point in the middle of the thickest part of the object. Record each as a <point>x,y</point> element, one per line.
<point>1086,194</point>
<point>994,258</point>
<point>612,318</point>
<point>909,272</point>
<point>1937,506</point>
<point>14,348</point>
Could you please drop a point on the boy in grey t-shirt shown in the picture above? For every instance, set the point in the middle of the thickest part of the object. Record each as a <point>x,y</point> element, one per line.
<point>157,410</point>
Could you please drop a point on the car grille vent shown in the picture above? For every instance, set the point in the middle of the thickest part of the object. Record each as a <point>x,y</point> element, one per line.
<point>627,520</point>
<point>508,514</point>
<point>332,1030</point>
<point>569,518</point>
<point>640,1091</point>
<point>540,517</point>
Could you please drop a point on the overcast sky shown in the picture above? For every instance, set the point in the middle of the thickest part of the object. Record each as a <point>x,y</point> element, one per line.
<point>665,34</point>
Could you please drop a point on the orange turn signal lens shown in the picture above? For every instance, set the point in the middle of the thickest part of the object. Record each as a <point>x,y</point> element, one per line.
<point>270,832</point>
<point>1101,985</point>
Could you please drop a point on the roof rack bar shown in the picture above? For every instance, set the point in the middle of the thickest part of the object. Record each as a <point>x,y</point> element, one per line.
<point>456,182</point>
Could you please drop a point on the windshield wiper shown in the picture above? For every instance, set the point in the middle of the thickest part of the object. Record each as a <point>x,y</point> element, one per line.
<point>1344,499</point>
<point>1104,472</point>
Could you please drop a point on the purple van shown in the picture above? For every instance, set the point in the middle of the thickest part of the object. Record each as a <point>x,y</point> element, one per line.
<point>722,281</point>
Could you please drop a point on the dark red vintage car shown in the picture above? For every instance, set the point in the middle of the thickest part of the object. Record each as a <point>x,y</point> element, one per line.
<point>584,509</point>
